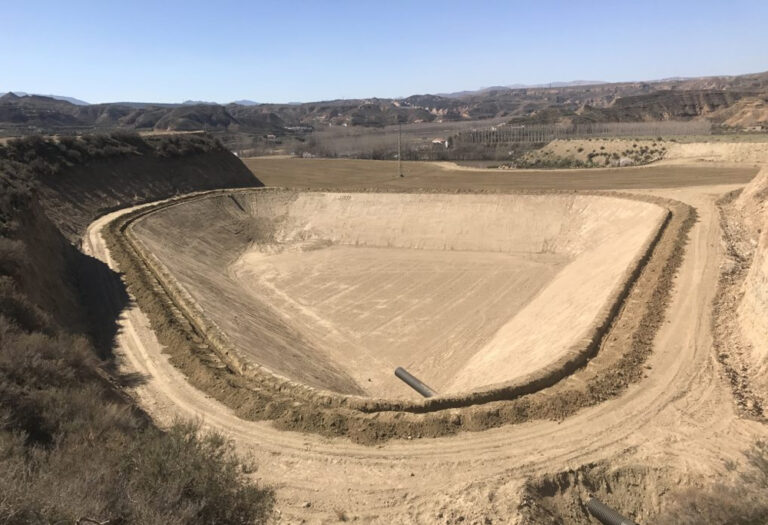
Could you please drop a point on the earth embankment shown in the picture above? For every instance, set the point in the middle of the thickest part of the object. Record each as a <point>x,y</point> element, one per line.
<point>74,197</point>
<point>753,308</point>
<point>467,291</point>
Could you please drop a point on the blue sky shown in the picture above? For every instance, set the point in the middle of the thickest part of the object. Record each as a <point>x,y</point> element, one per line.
<point>170,51</point>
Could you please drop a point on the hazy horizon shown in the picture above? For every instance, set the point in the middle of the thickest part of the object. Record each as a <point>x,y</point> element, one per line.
<point>303,52</point>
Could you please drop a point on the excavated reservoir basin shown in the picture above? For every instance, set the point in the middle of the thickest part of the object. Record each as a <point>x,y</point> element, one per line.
<point>468,292</point>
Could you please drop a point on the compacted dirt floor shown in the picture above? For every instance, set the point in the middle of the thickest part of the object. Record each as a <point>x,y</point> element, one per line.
<point>385,307</point>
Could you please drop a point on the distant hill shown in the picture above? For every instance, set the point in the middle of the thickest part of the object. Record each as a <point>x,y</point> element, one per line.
<point>523,86</point>
<point>728,100</point>
<point>71,100</point>
<point>198,103</point>
<point>146,104</point>
<point>37,114</point>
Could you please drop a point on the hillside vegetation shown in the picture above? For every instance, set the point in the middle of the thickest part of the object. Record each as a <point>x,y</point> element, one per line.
<point>591,153</point>
<point>72,446</point>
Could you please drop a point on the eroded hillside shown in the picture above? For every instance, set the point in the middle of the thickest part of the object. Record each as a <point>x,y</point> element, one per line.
<point>676,99</point>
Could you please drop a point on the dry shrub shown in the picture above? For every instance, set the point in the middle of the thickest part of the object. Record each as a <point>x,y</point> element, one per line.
<point>71,445</point>
<point>41,156</point>
<point>744,502</point>
<point>191,477</point>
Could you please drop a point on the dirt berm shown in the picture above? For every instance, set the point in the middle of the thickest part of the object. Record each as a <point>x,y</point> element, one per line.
<point>740,323</point>
<point>753,311</point>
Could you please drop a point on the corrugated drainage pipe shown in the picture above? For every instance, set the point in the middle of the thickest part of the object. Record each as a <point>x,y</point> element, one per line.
<point>605,514</point>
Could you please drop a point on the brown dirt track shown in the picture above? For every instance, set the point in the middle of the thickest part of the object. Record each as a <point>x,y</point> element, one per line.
<point>678,422</point>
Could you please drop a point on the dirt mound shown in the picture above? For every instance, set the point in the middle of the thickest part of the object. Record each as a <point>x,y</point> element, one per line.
<point>563,497</point>
<point>664,494</point>
<point>746,153</point>
<point>740,325</point>
<point>753,310</point>
<point>581,153</point>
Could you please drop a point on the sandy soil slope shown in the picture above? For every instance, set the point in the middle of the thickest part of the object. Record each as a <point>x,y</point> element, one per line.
<point>742,153</point>
<point>360,283</point>
<point>753,312</point>
<point>741,308</point>
<point>681,417</point>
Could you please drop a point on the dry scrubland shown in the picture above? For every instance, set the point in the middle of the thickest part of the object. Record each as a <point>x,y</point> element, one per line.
<point>72,444</point>
<point>597,153</point>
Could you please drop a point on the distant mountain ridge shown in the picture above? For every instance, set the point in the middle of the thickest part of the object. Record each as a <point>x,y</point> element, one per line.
<point>525,86</point>
<point>730,100</point>
<point>71,100</point>
<point>199,103</point>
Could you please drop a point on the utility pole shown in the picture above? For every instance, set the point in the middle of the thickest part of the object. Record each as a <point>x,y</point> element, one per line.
<point>399,148</point>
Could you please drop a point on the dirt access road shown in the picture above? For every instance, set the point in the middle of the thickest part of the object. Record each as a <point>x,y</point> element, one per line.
<point>678,422</point>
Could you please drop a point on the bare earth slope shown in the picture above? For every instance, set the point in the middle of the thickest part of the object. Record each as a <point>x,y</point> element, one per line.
<point>74,197</point>
<point>754,307</point>
<point>336,290</point>
<point>743,315</point>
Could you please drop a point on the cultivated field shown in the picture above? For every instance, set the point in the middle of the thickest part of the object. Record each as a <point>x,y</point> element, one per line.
<point>470,278</point>
<point>362,174</point>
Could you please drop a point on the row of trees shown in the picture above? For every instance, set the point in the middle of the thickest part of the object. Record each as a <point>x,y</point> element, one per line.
<point>539,133</point>
<point>499,142</point>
